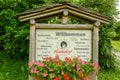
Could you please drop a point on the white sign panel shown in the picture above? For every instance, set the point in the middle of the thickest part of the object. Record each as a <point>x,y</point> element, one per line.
<point>65,43</point>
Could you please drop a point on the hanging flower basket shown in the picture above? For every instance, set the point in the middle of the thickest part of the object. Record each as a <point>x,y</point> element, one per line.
<point>56,69</point>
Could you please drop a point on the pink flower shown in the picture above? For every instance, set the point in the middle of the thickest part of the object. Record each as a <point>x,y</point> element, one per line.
<point>96,67</point>
<point>34,70</point>
<point>57,56</point>
<point>36,63</point>
<point>44,74</point>
<point>77,58</point>
<point>40,64</point>
<point>30,64</point>
<point>62,73</point>
<point>86,78</point>
<point>78,68</point>
<point>82,61</point>
<point>50,69</point>
<point>51,77</point>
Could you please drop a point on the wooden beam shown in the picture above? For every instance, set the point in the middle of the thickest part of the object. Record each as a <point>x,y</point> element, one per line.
<point>65,17</point>
<point>95,46</point>
<point>66,26</point>
<point>74,11</point>
<point>95,43</point>
<point>42,15</point>
<point>88,13</point>
<point>32,41</point>
<point>87,16</point>
<point>97,24</point>
<point>41,12</point>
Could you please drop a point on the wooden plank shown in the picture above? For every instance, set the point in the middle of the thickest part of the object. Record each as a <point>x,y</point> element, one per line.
<point>89,13</point>
<point>42,15</point>
<point>41,12</point>
<point>97,17</point>
<point>87,17</point>
<point>41,8</point>
<point>65,26</point>
<point>84,21</point>
<point>80,8</point>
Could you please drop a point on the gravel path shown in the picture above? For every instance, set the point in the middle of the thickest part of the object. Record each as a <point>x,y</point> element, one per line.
<point>117,54</point>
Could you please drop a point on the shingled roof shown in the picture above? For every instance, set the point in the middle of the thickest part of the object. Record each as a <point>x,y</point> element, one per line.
<point>57,9</point>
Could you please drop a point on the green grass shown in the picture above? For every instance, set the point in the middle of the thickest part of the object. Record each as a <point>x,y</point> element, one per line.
<point>109,75</point>
<point>11,69</point>
<point>116,45</point>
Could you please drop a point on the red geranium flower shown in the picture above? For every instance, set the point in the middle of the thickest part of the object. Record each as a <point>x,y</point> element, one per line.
<point>86,78</point>
<point>80,74</point>
<point>67,59</point>
<point>66,77</point>
<point>57,78</point>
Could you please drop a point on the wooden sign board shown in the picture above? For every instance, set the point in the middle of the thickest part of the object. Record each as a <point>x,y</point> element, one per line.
<point>64,43</point>
<point>70,40</point>
<point>65,40</point>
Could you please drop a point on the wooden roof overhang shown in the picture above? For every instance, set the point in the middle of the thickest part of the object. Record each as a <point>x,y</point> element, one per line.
<point>48,11</point>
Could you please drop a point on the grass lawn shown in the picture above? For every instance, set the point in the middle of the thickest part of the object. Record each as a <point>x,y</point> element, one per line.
<point>109,75</point>
<point>116,45</point>
<point>11,69</point>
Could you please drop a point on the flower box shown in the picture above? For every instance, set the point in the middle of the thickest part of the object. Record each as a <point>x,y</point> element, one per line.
<point>56,69</point>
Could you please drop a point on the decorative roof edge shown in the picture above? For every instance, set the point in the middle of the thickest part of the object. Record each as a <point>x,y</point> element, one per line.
<point>64,5</point>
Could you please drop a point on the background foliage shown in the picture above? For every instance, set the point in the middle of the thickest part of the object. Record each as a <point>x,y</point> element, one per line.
<point>14,36</point>
<point>117,31</point>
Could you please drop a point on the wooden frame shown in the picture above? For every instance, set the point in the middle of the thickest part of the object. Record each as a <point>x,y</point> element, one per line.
<point>51,10</point>
<point>93,27</point>
<point>66,26</point>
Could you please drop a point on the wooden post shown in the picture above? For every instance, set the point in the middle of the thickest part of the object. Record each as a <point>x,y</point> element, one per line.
<point>95,41</point>
<point>65,17</point>
<point>32,43</point>
<point>95,45</point>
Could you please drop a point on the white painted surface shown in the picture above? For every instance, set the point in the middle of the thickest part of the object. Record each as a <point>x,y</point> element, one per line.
<point>48,43</point>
